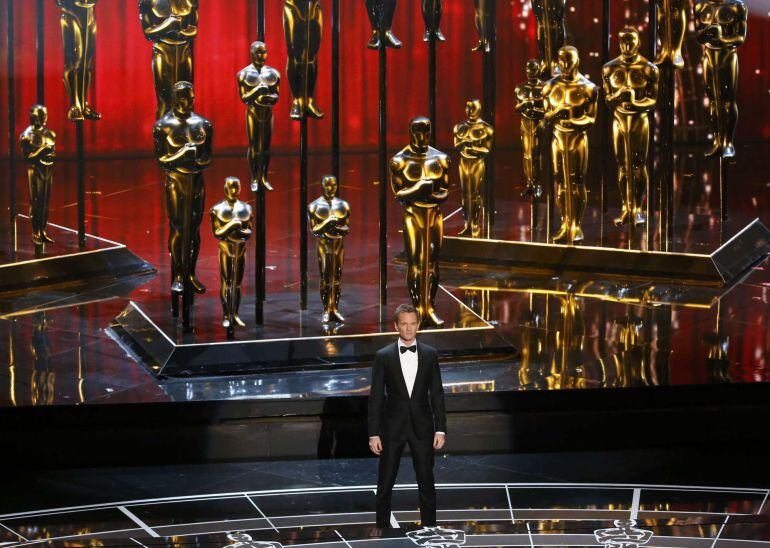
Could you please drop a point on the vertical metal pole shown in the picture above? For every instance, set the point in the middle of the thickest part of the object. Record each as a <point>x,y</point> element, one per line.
<point>666,198</point>
<point>81,183</point>
<point>431,88</point>
<point>41,52</point>
<point>604,122</point>
<point>260,251</point>
<point>489,84</point>
<point>336,89</point>
<point>383,161</point>
<point>723,203</point>
<point>652,48</point>
<point>11,126</point>
<point>302,211</point>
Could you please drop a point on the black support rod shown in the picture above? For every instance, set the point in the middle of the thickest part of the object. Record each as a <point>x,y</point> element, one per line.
<point>41,52</point>
<point>81,162</point>
<point>431,88</point>
<point>666,148</point>
<point>652,54</point>
<point>383,162</point>
<point>302,209</point>
<point>604,119</point>
<point>260,251</point>
<point>489,107</point>
<point>336,89</point>
<point>11,125</point>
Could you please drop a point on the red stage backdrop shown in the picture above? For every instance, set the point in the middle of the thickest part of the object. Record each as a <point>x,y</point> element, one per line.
<point>124,89</point>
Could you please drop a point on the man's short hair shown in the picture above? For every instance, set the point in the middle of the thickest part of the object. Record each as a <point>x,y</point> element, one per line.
<point>405,308</point>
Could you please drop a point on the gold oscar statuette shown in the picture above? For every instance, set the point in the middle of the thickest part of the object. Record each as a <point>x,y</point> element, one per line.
<point>631,92</point>
<point>231,225</point>
<point>485,25</point>
<point>78,32</point>
<point>330,222</point>
<point>302,28</point>
<point>672,25</point>
<point>570,107</point>
<point>431,15</point>
<point>721,26</point>
<point>376,9</point>
<point>473,140</point>
<point>183,148</point>
<point>258,87</point>
<point>171,26</point>
<point>419,177</point>
<point>551,31</point>
<point>38,147</point>
<point>529,104</point>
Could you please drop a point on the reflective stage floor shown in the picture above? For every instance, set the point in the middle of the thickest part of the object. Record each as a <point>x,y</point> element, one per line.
<point>569,499</point>
<point>552,333</point>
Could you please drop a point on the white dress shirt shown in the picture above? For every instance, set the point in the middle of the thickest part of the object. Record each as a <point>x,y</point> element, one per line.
<point>408,365</point>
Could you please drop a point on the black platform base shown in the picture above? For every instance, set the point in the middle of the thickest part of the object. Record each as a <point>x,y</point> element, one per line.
<point>294,340</point>
<point>726,264</point>
<point>29,266</point>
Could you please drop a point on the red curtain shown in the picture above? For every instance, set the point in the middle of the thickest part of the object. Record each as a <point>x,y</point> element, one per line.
<point>124,89</point>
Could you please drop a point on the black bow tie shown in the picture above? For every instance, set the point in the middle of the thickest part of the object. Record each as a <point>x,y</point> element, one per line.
<point>412,348</point>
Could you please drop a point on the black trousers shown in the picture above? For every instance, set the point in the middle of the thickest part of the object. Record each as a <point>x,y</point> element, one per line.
<point>422,459</point>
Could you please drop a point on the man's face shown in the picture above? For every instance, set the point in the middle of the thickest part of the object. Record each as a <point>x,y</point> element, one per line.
<point>407,326</point>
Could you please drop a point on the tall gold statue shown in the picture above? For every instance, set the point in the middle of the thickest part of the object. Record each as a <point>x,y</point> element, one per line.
<point>302,28</point>
<point>231,224</point>
<point>375,9</point>
<point>529,104</point>
<point>551,31</point>
<point>330,222</point>
<point>672,26</point>
<point>431,15</point>
<point>38,146</point>
<point>183,147</point>
<point>631,92</point>
<point>570,105</point>
<point>78,32</point>
<point>473,140</point>
<point>419,177</point>
<point>258,86</point>
<point>171,26</point>
<point>485,24</point>
<point>721,26</point>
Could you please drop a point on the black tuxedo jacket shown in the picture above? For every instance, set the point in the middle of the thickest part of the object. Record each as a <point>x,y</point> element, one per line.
<point>390,407</point>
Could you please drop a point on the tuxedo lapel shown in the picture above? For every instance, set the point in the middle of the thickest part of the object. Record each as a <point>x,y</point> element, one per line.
<point>422,364</point>
<point>395,364</point>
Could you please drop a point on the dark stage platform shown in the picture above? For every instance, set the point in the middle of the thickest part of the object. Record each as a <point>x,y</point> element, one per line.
<point>562,350</point>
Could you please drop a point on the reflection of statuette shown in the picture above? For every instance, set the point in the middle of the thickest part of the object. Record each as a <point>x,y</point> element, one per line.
<point>78,32</point>
<point>570,106</point>
<point>258,87</point>
<point>183,148</point>
<point>330,222</point>
<point>244,540</point>
<point>529,104</point>
<point>631,92</point>
<point>721,26</point>
<point>375,9</point>
<point>431,15</point>
<point>623,535</point>
<point>419,177</point>
<point>171,26</point>
<point>551,32</point>
<point>473,140</point>
<point>302,28</point>
<point>231,224</point>
<point>485,24</point>
<point>38,146</point>
<point>672,25</point>
<point>437,537</point>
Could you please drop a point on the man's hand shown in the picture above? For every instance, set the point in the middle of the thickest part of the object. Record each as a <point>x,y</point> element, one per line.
<point>375,444</point>
<point>438,440</point>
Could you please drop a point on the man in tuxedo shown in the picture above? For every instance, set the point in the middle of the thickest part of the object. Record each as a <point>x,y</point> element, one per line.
<point>406,406</point>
